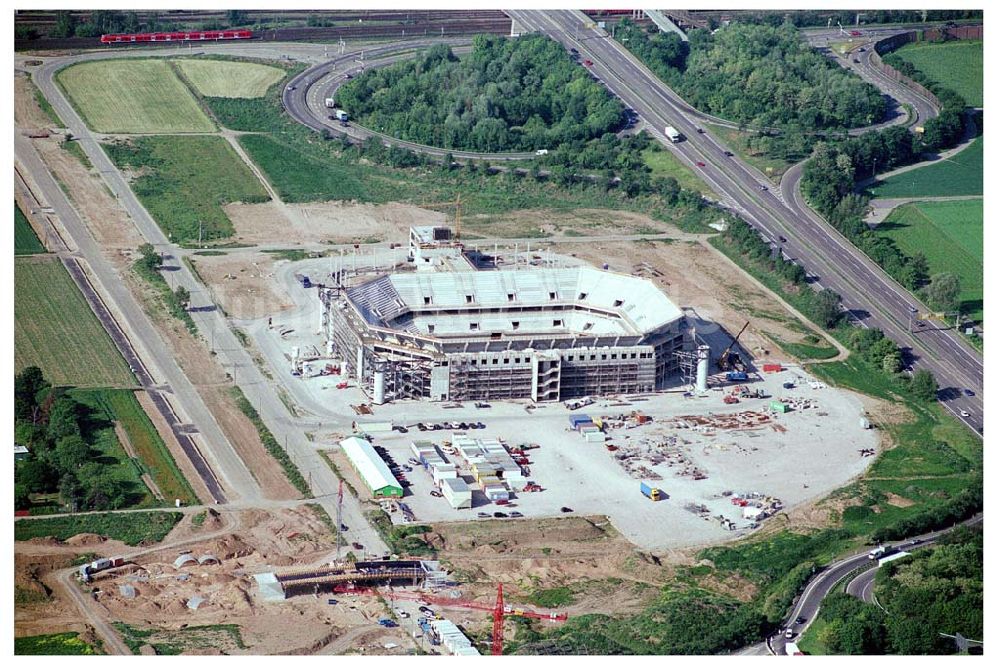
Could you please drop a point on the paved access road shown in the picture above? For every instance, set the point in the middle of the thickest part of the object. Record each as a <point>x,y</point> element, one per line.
<point>211,322</point>
<point>871,296</point>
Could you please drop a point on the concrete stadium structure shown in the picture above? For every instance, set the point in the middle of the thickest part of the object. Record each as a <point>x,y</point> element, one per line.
<point>452,330</point>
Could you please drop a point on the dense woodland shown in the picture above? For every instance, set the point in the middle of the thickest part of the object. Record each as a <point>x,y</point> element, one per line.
<point>58,431</point>
<point>934,591</point>
<point>506,95</point>
<point>757,75</point>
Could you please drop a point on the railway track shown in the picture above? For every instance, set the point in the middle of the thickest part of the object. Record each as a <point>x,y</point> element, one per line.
<point>456,24</point>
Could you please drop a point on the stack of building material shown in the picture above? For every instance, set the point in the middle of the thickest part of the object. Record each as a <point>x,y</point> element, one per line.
<point>452,637</point>
<point>457,492</point>
<point>577,420</point>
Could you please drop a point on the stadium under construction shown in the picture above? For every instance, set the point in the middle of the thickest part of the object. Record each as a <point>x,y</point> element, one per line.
<point>458,324</point>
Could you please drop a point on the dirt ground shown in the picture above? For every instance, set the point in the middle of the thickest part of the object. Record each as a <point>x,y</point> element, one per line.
<point>244,543</point>
<point>243,283</point>
<point>330,222</point>
<point>694,276</point>
<point>579,222</point>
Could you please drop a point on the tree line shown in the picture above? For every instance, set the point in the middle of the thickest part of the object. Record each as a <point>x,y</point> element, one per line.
<point>756,74</point>
<point>57,429</point>
<point>518,94</point>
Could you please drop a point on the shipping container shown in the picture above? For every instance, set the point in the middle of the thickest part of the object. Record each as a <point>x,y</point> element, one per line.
<point>779,407</point>
<point>773,367</point>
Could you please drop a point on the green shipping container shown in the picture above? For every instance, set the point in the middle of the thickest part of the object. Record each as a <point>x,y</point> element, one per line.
<point>779,407</point>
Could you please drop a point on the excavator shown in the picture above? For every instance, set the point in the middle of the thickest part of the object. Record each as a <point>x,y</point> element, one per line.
<point>730,360</point>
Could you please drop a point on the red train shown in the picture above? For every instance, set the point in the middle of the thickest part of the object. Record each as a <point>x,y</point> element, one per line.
<point>188,36</point>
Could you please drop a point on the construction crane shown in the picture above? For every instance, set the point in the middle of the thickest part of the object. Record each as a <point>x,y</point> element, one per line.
<point>457,203</point>
<point>340,510</point>
<point>500,610</point>
<point>729,360</point>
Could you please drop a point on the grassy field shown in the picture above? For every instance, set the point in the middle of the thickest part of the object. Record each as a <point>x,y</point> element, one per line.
<point>663,163</point>
<point>959,175</point>
<point>955,65</point>
<point>25,239</point>
<point>226,78</point>
<point>55,329</point>
<point>122,407</point>
<point>185,181</point>
<point>132,96</point>
<point>131,528</point>
<point>223,637</point>
<point>950,234</point>
<point>53,644</point>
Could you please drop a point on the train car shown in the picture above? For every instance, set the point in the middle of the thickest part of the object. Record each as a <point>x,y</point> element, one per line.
<point>185,36</point>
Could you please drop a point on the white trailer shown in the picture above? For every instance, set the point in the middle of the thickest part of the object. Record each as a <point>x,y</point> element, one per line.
<point>672,134</point>
<point>330,103</point>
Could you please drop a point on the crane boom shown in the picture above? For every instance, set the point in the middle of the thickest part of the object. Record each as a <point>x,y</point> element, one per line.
<point>725,360</point>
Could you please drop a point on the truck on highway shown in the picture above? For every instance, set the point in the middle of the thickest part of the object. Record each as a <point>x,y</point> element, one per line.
<point>341,115</point>
<point>792,650</point>
<point>880,552</point>
<point>672,134</point>
<point>330,102</point>
<point>652,493</point>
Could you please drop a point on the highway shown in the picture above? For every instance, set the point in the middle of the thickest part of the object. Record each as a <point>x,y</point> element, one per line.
<point>870,296</point>
<point>829,578</point>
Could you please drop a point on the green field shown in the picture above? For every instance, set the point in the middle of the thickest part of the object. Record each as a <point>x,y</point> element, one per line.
<point>55,329</point>
<point>663,164</point>
<point>131,528</point>
<point>132,96</point>
<point>53,644</point>
<point>955,176</point>
<point>25,239</point>
<point>954,65</point>
<point>185,180</point>
<point>950,234</point>
<point>122,407</point>
<point>226,78</point>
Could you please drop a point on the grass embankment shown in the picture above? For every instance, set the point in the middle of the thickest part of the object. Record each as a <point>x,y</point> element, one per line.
<point>402,539</point>
<point>759,151</point>
<point>956,65</point>
<point>955,176</point>
<point>26,241</point>
<point>227,78</point>
<point>131,528</point>
<point>950,235</point>
<point>167,297</point>
<point>185,181</point>
<point>154,458</point>
<point>55,329</point>
<point>665,163</point>
<point>132,96</point>
<point>223,637</point>
<point>53,644</point>
<point>271,444</point>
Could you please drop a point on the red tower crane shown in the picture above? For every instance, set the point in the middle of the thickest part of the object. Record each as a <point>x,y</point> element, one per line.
<point>498,613</point>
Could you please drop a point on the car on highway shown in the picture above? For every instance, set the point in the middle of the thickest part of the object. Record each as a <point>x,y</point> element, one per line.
<point>800,620</point>
<point>969,392</point>
<point>789,633</point>
<point>701,164</point>
<point>782,239</point>
<point>348,76</point>
<point>699,130</point>
<point>727,153</point>
<point>857,62</point>
<point>588,63</point>
<point>965,414</point>
<point>762,188</point>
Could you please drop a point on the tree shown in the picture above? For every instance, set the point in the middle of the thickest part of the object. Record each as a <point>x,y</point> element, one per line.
<point>183,296</point>
<point>22,499</point>
<point>826,307</point>
<point>65,25</point>
<point>923,385</point>
<point>27,384</point>
<point>942,293</point>
<point>35,475</point>
<point>72,452</point>
<point>236,17</point>
<point>151,259</point>
<point>892,363</point>
<point>70,492</point>
<point>63,419</point>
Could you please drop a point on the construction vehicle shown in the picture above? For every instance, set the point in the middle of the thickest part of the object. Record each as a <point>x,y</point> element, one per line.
<point>737,376</point>
<point>730,400</point>
<point>650,492</point>
<point>730,360</point>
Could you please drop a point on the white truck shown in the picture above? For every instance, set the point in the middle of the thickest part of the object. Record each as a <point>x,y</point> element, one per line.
<point>672,134</point>
<point>330,103</point>
<point>880,552</point>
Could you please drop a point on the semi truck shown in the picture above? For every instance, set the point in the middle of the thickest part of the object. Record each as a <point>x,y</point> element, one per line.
<point>340,115</point>
<point>880,552</point>
<point>672,134</point>
<point>652,493</point>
